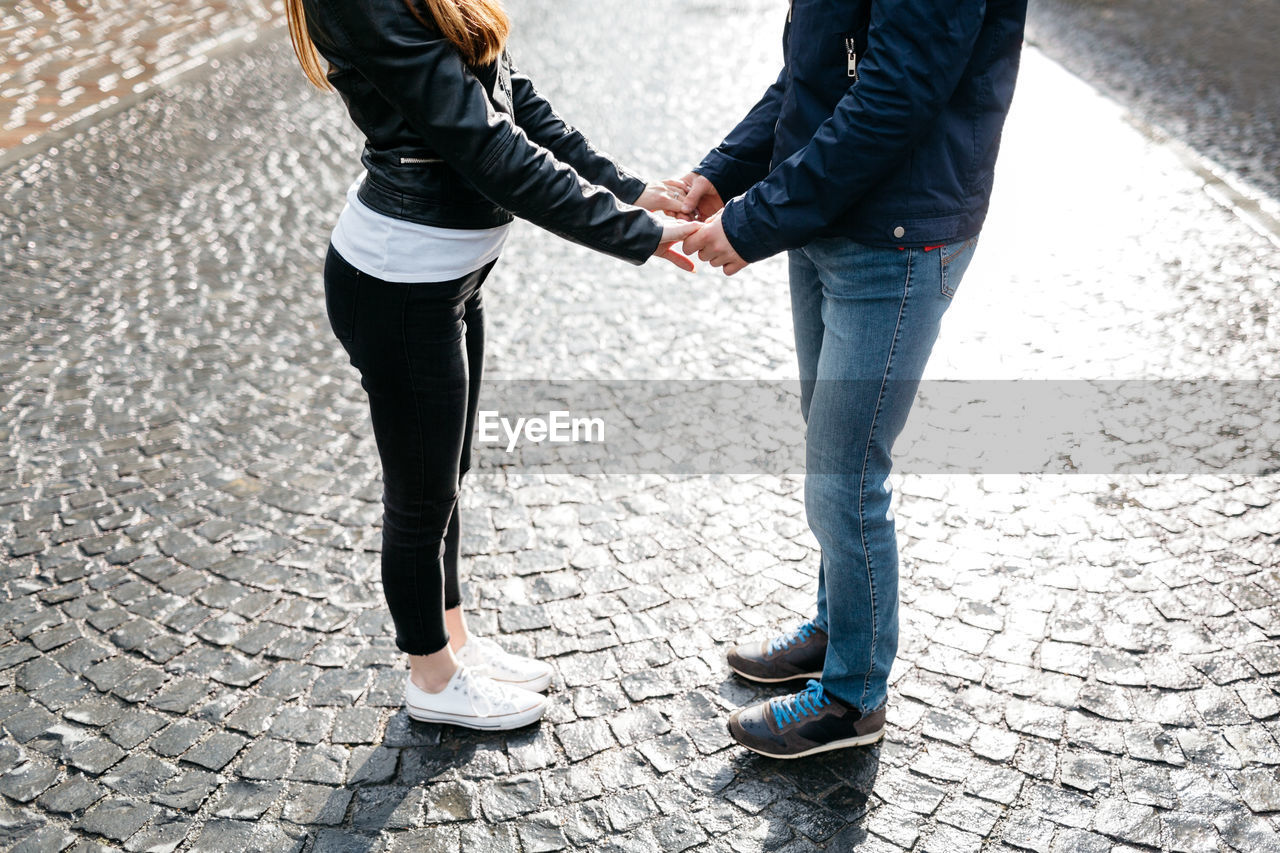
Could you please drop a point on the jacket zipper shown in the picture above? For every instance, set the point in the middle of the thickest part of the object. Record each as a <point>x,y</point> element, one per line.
<point>404,161</point>
<point>852,46</point>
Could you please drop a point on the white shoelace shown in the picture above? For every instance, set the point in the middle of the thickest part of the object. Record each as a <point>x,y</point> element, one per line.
<point>490,658</point>
<point>482,692</point>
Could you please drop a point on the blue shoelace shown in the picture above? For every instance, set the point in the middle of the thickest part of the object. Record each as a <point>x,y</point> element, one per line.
<point>799,635</point>
<point>791,709</point>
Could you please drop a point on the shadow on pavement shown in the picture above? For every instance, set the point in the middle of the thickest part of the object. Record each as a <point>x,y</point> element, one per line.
<point>846,778</point>
<point>387,788</point>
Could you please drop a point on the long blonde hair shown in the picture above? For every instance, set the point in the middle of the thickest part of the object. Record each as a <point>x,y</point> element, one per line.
<point>478,29</point>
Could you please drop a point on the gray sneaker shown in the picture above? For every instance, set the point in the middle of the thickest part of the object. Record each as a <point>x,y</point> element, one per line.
<point>804,723</point>
<point>797,654</point>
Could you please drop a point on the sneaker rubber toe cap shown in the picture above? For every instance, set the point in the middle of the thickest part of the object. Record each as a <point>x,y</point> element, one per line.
<point>748,727</point>
<point>746,660</point>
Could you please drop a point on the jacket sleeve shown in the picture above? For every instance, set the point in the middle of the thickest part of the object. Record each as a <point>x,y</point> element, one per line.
<point>420,73</point>
<point>743,158</point>
<point>540,122</point>
<point>917,53</point>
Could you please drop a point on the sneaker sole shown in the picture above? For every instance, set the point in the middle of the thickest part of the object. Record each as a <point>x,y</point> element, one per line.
<point>760,680</point>
<point>489,724</point>
<point>860,740</point>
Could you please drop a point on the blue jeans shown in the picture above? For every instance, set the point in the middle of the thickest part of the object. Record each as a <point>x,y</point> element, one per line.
<point>865,322</point>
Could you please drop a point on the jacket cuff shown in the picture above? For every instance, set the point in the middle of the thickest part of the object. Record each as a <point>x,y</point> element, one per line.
<point>629,187</point>
<point>746,239</point>
<point>648,247</point>
<point>729,175</point>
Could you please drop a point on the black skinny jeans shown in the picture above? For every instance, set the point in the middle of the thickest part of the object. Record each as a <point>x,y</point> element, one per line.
<point>420,352</point>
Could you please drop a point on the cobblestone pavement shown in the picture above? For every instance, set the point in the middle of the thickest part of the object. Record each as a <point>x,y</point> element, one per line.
<point>193,650</point>
<point>62,61</point>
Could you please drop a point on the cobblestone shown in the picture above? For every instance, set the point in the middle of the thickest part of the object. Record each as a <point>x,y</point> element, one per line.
<point>28,780</point>
<point>193,651</point>
<point>115,819</point>
<point>64,62</point>
<point>216,751</point>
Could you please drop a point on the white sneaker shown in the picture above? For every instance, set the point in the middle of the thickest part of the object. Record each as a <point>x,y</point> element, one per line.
<point>474,701</point>
<point>488,658</point>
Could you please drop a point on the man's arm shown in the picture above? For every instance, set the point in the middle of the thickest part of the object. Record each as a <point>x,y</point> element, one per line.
<point>743,157</point>
<point>918,50</point>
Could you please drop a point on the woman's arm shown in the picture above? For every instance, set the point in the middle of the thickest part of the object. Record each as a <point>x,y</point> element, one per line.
<point>544,126</point>
<point>421,74</point>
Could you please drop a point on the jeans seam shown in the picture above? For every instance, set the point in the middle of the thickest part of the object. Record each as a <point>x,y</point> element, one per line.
<point>862,485</point>
<point>945,259</point>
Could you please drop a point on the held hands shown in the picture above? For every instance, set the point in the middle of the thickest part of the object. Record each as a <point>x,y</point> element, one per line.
<point>711,245</point>
<point>673,231</point>
<point>666,197</point>
<point>702,203</point>
<point>701,200</point>
<point>696,201</point>
<point>669,197</point>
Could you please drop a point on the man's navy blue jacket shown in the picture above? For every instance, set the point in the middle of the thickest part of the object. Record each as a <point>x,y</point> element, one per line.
<point>883,126</point>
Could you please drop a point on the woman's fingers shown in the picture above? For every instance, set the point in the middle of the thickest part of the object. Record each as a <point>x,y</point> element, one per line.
<point>674,231</point>
<point>701,239</point>
<point>668,203</point>
<point>678,259</point>
<point>666,197</point>
<point>695,241</point>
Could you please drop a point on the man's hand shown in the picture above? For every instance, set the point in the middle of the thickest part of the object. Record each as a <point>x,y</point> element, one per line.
<point>702,200</point>
<point>712,246</point>
<point>666,197</point>
<point>673,232</point>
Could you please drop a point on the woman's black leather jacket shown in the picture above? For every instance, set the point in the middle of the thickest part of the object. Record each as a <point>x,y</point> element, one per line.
<point>461,147</point>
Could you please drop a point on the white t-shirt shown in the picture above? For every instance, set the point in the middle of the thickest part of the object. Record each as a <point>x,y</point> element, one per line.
<point>396,250</point>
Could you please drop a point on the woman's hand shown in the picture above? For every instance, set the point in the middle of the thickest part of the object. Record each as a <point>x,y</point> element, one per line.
<point>674,232</point>
<point>666,197</point>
